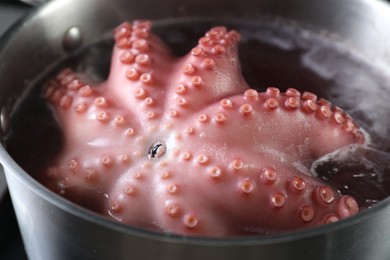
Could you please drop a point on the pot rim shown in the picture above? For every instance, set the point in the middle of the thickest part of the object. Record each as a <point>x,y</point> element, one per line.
<point>21,175</point>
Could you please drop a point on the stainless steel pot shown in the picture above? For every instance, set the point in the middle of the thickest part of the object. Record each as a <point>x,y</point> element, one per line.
<point>53,228</point>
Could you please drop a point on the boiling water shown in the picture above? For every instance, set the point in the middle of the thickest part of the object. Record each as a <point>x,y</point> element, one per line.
<point>272,53</point>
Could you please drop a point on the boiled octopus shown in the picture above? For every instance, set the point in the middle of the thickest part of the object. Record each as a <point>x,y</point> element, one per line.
<point>183,145</point>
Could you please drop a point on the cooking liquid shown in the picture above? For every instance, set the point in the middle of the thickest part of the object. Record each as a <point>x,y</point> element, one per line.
<point>272,53</point>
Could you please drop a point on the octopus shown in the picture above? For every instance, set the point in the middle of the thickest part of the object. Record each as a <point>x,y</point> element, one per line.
<point>183,145</point>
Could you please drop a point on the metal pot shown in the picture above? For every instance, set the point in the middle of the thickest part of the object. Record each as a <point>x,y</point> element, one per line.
<point>54,228</point>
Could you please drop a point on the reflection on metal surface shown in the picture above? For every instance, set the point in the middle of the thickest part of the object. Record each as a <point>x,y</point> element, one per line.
<point>72,39</point>
<point>3,184</point>
<point>4,121</point>
<point>34,2</point>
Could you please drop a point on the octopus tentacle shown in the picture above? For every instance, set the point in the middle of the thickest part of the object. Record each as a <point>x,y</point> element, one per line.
<point>184,145</point>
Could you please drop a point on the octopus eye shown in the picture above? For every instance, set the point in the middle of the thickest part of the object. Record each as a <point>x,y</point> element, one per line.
<point>157,149</point>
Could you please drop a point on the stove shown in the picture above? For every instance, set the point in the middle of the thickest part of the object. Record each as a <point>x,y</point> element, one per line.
<point>11,245</point>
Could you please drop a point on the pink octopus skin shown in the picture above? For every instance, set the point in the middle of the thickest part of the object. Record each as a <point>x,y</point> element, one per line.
<point>184,145</point>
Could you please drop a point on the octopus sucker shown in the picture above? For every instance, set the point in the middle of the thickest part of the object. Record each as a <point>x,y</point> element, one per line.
<point>186,145</point>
